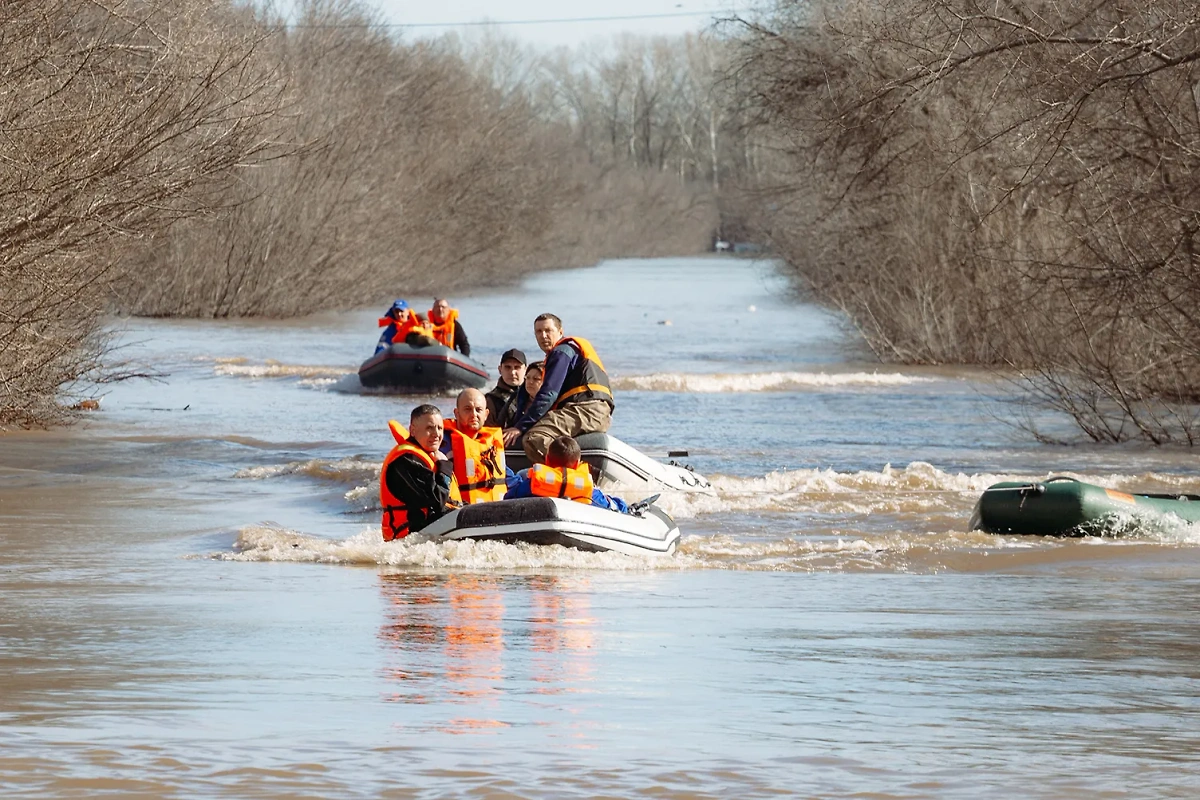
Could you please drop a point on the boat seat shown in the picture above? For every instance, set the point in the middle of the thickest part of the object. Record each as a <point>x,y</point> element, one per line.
<point>507,512</point>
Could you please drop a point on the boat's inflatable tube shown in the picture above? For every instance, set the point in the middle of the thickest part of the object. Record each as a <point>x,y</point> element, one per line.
<point>422,369</point>
<point>549,520</point>
<point>1067,507</point>
<point>614,463</point>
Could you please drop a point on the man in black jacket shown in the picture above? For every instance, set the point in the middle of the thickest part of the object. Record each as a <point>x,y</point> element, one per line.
<point>502,400</point>
<point>424,492</point>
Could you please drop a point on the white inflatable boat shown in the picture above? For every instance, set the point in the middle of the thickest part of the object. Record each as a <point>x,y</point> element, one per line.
<point>614,463</point>
<point>548,520</point>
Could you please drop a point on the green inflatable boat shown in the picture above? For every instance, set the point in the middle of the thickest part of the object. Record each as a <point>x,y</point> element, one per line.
<point>1067,507</point>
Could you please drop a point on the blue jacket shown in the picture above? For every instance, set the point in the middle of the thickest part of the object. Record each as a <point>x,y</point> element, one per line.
<point>519,486</point>
<point>558,364</point>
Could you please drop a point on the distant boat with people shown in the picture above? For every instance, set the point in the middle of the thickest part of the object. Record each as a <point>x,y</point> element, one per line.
<point>430,368</point>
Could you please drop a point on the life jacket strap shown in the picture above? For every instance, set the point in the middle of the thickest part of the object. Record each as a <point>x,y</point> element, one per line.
<point>396,532</point>
<point>589,387</point>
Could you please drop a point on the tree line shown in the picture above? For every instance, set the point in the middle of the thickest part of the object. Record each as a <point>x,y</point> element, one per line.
<point>1012,183</point>
<point>207,158</point>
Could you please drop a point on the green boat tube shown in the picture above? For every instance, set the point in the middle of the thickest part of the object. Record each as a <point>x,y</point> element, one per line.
<point>1066,507</point>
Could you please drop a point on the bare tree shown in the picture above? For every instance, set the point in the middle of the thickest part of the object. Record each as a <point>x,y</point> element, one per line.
<point>1005,183</point>
<point>115,120</point>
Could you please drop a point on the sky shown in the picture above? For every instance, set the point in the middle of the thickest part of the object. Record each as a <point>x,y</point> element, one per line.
<point>594,19</point>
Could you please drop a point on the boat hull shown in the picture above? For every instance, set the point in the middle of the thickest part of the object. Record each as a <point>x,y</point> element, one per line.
<point>1067,507</point>
<point>547,520</point>
<point>421,369</point>
<point>614,463</point>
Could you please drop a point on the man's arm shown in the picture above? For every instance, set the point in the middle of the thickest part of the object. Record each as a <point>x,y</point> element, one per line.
<point>558,364</point>
<point>519,487</point>
<point>461,344</point>
<point>611,502</point>
<point>418,488</point>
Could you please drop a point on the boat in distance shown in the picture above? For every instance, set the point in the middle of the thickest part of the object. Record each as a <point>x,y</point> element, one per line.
<point>552,520</point>
<point>614,463</point>
<point>1063,506</point>
<point>431,368</point>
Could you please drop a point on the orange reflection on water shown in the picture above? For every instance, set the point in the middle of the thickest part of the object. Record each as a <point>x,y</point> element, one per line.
<point>445,637</point>
<point>474,636</point>
<point>561,629</point>
<point>453,627</point>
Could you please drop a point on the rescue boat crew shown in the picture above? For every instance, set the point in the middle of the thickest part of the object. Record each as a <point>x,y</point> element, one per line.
<point>398,322</point>
<point>575,397</point>
<point>416,484</point>
<point>563,476</point>
<point>477,452</point>
<point>443,321</point>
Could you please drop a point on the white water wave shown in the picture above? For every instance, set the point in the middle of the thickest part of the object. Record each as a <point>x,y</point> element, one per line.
<point>347,470</point>
<point>759,381</point>
<point>272,543</point>
<point>242,368</point>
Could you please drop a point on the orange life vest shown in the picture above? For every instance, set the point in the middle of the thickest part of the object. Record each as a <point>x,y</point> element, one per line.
<point>403,328</point>
<point>395,514</point>
<point>478,463</point>
<point>550,482</point>
<point>444,331</point>
<point>587,380</point>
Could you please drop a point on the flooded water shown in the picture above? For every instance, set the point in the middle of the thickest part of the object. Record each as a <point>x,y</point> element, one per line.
<point>195,601</point>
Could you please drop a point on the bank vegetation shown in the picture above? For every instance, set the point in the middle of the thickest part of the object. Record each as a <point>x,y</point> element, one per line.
<point>208,158</point>
<point>1008,183</point>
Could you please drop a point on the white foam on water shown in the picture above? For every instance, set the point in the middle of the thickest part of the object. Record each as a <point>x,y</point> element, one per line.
<point>759,381</point>
<point>241,368</point>
<point>350,470</point>
<point>273,543</point>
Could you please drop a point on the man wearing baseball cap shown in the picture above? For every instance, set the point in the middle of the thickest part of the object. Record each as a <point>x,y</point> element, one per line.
<point>502,400</point>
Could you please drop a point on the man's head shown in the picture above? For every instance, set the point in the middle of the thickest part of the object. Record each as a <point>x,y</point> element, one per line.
<point>398,311</point>
<point>441,307</point>
<point>470,411</point>
<point>425,427</point>
<point>512,367</point>
<point>533,377</point>
<point>547,329</point>
<point>562,453</point>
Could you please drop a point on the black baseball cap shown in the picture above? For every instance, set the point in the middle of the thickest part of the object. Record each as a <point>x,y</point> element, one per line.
<point>513,355</point>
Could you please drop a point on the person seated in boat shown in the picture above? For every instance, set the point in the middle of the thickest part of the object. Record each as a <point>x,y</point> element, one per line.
<point>400,324</point>
<point>575,396</point>
<point>562,476</point>
<point>475,450</point>
<point>416,483</point>
<point>534,375</point>
<point>502,400</point>
<point>444,324</point>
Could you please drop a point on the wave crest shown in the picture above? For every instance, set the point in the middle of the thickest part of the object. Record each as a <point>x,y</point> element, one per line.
<point>758,381</point>
<point>272,543</point>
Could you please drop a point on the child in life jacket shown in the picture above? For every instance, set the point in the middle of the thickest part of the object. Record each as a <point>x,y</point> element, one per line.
<point>562,476</point>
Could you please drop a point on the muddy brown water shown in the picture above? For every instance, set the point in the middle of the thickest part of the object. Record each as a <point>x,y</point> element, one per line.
<point>194,600</point>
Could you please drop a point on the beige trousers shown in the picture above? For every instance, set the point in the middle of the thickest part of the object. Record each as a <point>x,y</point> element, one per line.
<point>590,416</point>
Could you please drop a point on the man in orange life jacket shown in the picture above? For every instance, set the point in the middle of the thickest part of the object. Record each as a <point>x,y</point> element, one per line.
<point>562,476</point>
<point>416,484</point>
<point>477,452</point>
<point>397,323</point>
<point>575,397</point>
<point>446,329</point>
